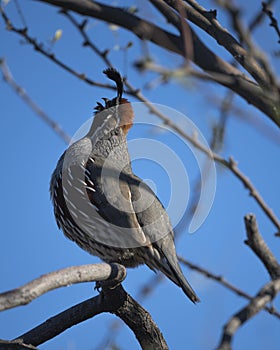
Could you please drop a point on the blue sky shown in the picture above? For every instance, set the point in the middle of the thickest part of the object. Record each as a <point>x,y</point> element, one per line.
<point>31,244</point>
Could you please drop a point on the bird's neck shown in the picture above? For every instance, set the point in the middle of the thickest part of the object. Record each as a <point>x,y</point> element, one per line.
<point>113,148</point>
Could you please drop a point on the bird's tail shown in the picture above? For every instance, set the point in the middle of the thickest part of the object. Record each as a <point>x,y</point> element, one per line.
<point>167,263</point>
<point>176,275</point>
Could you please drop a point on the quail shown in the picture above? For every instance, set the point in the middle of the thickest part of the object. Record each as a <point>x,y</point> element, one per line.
<point>100,204</point>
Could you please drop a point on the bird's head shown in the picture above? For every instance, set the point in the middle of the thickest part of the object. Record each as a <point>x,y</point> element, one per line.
<point>114,113</point>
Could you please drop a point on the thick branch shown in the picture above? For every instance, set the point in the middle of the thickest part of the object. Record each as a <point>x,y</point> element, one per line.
<point>207,22</point>
<point>145,30</point>
<point>115,301</point>
<point>62,321</point>
<point>139,320</point>
<point>244,33</point>
<point>61,278</point>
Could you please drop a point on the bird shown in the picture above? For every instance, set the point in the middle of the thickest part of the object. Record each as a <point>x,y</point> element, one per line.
<point>105,208</point>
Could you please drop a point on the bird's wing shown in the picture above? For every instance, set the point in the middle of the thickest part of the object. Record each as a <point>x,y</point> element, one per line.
<point>150,213</point>
<point>157,227</point>
<point>111,195</point>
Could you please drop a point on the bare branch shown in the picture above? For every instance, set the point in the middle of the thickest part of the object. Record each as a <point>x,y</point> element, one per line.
<point>264,296</point>
<point>113,328</point>
<point>149,286</point>
<point>15,345</point>
<point>244,34</point>
<point>211,26</point>
<point>238,82</point>
<point>260,248</point>
<point>7,75</point>
<point>114,300</point>
<point>259,17</point>
<point>273,20</point>
<point>61,278</point>
<point>87,41</point>
<point>268,103</point>
<point>143,29</point>
<point>232,165</point>
<point>39,47</point>
<point>221,280</point>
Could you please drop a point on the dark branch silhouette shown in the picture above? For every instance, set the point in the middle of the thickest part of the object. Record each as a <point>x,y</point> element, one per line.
<point>242,85</point>
<point>112,299</point>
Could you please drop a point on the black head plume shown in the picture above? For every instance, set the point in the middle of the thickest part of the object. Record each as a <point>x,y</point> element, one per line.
<point>107,116</point>
<point>114,75</point>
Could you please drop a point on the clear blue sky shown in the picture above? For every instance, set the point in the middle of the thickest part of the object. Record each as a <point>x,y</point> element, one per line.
<point>31,244</point>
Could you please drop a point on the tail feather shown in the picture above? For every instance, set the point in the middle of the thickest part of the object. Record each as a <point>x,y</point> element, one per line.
<point>169,266</point>
<point>181,281</point>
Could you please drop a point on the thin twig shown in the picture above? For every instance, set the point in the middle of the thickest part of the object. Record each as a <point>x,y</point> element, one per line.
<point>87,42</point>
<point>257,19</point>
<point>232,165</point>
<point>7,75</point>
<point>20,13</point>
<point>229,164</point>
<point>273,20</point>
<point>39,47</point>
<point>221,280</point>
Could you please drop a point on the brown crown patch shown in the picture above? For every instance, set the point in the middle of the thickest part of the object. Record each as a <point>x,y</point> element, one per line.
<point>126,115</point>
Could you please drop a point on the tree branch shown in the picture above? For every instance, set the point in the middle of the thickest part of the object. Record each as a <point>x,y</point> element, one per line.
<point>114,300</point>
<point>221,280</point>
<point>15,345</point>
<point>61,278</point>
<point>244,34</point>
<point>260,248</point>
<point>8,78</point>
<point>268,103</point>
<point>208,22</point>
<point>273,20</point>
<point>264,296</point>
